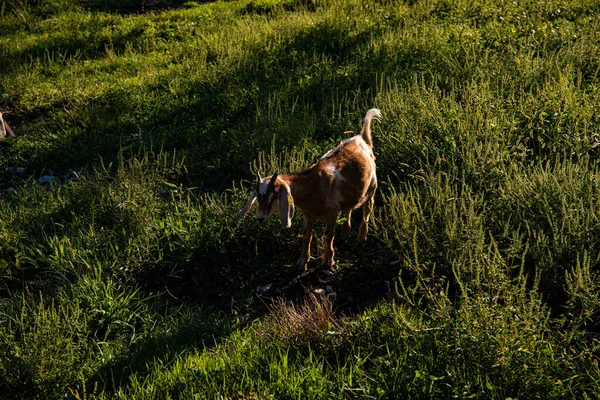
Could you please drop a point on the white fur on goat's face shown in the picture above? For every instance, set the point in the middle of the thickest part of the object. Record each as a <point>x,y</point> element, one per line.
<point>272,194</point>
<point>266,194</point>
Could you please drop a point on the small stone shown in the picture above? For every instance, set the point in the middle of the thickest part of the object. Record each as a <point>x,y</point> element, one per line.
<point>329,289</point>
<point>20,170</point>
<point>320,291</point>
<point>327,272</point>
<point>263,288</point>
<point>47,179</point>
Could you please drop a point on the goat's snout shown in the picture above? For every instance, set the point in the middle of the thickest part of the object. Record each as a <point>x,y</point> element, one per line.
<point>262,217</point>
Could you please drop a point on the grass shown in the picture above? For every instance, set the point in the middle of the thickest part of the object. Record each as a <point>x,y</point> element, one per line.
<point>129,276</point>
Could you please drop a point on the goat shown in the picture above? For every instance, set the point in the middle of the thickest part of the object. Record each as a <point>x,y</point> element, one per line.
<point>341,181</point>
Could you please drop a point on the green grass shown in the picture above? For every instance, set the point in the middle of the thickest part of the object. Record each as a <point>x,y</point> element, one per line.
<point>136,280</point>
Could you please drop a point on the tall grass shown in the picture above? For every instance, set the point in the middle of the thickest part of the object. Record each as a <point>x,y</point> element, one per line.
<point>136,280</point>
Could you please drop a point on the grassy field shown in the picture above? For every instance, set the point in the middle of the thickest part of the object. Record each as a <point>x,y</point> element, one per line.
<point>139,126</point>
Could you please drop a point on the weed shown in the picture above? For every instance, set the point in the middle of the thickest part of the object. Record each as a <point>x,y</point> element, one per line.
<point>304,324</point>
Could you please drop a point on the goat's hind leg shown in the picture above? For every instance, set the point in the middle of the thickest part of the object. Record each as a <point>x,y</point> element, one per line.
<point>364,226</point>
<point>346,226</point>
<point>330,222</point>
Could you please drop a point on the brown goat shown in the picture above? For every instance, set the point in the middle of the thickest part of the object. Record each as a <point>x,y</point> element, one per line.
<point>342,180</point>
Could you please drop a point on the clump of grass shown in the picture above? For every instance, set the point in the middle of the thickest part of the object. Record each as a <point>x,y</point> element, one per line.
<point>308,323</point>
<point>583,304</point>
<point>433,224</point>
<point>44,346</point>
<point>547,213</point>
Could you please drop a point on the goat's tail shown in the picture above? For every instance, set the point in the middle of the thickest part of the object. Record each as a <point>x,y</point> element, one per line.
<point>366,130</point>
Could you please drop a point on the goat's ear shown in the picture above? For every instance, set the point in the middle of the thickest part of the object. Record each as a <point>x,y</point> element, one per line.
<point>286,206</point>
<point>273,180</point>
<point>251,201</point>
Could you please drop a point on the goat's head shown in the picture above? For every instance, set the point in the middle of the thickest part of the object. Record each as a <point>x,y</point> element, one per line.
<point>271,193</point>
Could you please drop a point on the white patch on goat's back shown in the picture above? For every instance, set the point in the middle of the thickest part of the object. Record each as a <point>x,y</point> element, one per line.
<point>327,154</point>
<point>336,148</point>
<point>338,179</point>
<point>349,140</point>
<point>363,145</point>
<point>333,170</point>
<point>330,166</point>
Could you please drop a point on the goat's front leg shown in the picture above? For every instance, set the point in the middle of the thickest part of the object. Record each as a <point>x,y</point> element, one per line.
<point>306,238</point>
<point>330,222</point>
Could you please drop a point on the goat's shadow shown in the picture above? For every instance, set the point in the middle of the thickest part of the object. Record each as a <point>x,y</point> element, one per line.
<point>361,276</point>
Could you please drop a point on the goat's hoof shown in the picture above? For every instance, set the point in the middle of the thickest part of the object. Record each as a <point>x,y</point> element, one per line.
<point>360,242</point>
